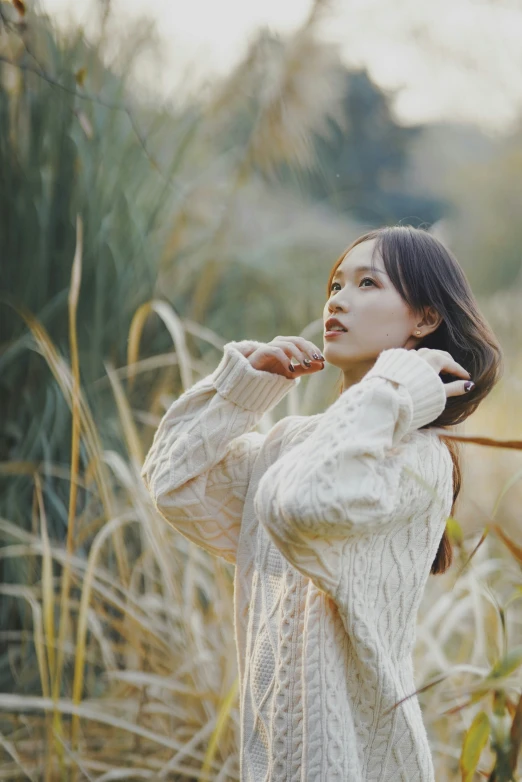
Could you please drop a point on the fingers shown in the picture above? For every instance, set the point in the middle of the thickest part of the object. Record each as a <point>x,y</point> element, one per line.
<point>294,352</point>
<point>306,346</point>
<point>304,352</point>
<point>454,368</point>
<point>279,354</point>
<point>444,362</point>
<point>458,387</point>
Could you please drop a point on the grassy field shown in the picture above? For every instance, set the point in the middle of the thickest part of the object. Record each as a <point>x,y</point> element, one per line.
<point>125,666</point>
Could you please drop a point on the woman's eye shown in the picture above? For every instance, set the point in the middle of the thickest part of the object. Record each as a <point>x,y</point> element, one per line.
<point>363,279</point>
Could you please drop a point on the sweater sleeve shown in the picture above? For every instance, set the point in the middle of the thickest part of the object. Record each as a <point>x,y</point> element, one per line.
<point>347,477</point>
<point>198,467</point>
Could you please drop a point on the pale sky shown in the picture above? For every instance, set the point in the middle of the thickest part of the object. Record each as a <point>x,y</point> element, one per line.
<point>451,59</point>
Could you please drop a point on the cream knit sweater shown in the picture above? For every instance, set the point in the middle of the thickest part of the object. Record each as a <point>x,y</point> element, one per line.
<point>332,521</point>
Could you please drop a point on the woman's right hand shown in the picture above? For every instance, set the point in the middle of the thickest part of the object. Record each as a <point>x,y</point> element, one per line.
<point>275,356</point>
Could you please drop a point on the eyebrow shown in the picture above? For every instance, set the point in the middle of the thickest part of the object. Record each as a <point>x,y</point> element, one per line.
<point>339,273</point>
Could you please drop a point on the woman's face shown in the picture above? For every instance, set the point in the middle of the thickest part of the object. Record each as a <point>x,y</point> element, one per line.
<point>367,304</point>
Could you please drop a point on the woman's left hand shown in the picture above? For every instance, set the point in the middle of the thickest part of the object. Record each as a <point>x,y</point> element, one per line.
<point>442,361</point>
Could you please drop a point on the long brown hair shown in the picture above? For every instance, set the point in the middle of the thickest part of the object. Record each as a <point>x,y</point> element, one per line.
<point>424,272</point>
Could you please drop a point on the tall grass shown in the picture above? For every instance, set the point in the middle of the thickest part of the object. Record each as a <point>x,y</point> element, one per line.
<point>149,634</point>
<point>161,214</point>
<point>131,632</point>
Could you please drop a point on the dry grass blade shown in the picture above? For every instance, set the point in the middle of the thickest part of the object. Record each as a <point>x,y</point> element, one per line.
<point>143,679</point>
<point>149,364</point>
<point>514,548</point>
<point>47,578</point>
<point>64,378</point>
<point>79,662</point>
<point>74,293</point>
<point>129,430</point>
<point>155,531</point>
<point>123,773</point>
<point>222,717</point>
<point>48,617</point>
<point>206,334</point>
<point>28,703</point>
<point>428,686</point>
<point>112,592</point>
<point>10,749</point>
<point>466,563</point>
<point>493,442</point>
<point>175,327</point>
<point>30,468</point>
<point>38,634</point>
<point>133,343</point>
<point>197,739</point>
<point>507,486</point>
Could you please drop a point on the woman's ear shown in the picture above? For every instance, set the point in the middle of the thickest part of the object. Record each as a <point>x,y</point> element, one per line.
<point>431,319</point>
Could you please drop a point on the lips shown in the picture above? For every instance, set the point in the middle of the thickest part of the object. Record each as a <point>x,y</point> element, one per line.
<point>331,323</point>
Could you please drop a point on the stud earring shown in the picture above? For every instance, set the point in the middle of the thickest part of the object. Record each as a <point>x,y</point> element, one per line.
<point>417,332</point>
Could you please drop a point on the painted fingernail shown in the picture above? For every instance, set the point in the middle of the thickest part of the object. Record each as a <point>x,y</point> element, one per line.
<point>307,362</point>
<point>291,368</point>
<point>322,357</point>
<point>468,385</point>
<point>316,356</point>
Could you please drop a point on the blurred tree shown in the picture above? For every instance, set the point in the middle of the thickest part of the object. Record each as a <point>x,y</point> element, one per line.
<point>360,163</point>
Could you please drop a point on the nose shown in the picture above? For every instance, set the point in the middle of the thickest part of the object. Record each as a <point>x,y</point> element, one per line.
<point>335,305</point>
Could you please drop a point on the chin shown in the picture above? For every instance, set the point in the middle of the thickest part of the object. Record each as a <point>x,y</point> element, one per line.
<point>343,358</point>
<point>336,358</point>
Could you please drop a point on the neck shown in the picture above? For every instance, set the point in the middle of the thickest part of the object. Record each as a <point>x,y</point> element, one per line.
<point>356,372</point>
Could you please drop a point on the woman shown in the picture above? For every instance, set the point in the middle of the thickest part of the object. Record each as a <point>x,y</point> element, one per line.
<point>334,521</point>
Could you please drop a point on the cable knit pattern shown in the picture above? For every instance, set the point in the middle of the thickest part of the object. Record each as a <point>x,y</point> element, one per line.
<point>332,522</point>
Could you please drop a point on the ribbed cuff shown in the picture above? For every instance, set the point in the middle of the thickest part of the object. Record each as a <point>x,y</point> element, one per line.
<point>422,381</point>
<point>253,389</point>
